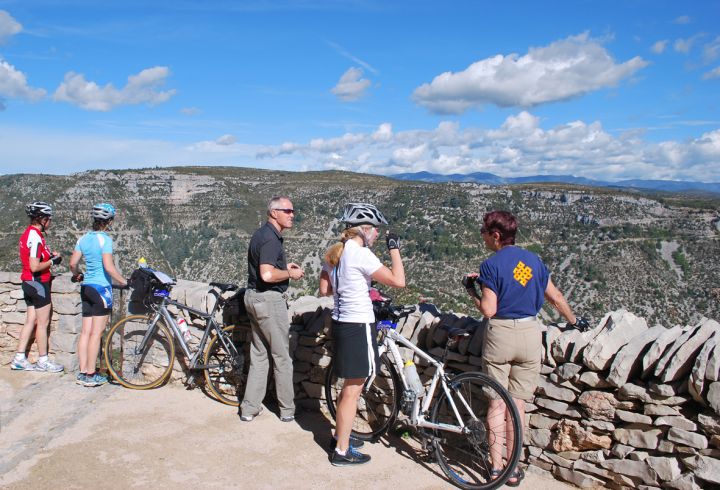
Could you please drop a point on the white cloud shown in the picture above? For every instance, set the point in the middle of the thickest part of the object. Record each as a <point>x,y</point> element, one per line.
<point>519,146</point>
<point>683,19</point>
<point>659,46</point>
<point>226,140</point>
<point>685,45</point>
<point>8,26</point>
<point>190,111</point>
<point>141,88</point>
<point>567,68</point>
<point>13,84</point>
<point>712,74</point>
<point>711,51</point>
<point>351,85</point>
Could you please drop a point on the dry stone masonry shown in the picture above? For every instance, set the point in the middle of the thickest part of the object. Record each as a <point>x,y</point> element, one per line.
<point>622,405</point>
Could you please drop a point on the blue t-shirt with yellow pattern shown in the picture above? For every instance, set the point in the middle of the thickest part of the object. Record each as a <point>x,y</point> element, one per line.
<point>518,278</point>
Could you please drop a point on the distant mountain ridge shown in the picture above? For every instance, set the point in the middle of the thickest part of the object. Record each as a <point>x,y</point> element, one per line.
<point>492,179</point>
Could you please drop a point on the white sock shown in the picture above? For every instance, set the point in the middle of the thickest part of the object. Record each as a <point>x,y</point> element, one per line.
<point>19,356</point>
<point>42,359</point>
<point>341,453</point>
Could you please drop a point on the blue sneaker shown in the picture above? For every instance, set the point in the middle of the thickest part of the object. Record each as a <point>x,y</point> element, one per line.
<point>98,379</point>
<point>22,365</point>
<point>80,379</point>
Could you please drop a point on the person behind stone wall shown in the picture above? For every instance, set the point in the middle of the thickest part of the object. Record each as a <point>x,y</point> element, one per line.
<point>269,275</point>
<point>37,261</point>
<point>96,296</point>
<point>350,267</point>
<point>514,283</point>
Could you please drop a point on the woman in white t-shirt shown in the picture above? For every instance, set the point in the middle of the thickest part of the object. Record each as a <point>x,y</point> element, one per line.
<point>351,266</point>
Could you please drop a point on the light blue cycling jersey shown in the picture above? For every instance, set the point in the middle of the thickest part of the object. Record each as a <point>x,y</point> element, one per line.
<point>93,245</point>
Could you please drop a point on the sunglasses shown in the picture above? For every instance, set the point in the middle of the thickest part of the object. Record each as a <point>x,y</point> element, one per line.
<point>286,211</point>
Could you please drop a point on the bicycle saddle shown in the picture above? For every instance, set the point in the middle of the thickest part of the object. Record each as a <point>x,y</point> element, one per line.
<point>456,331</point>
<point>222,286</point>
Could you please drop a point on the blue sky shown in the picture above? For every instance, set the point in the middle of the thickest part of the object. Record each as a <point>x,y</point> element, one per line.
<point>599,89</point>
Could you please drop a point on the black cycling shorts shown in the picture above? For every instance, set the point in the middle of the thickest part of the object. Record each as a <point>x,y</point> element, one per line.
<point>93,302</point>
<point>36,293</point>
<point>356,349</point>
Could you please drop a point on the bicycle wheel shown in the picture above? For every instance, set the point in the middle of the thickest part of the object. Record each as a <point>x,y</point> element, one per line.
<point>134,366</point>
<point>226,372</point>
<point>378,404</point>
<point>466,457</point>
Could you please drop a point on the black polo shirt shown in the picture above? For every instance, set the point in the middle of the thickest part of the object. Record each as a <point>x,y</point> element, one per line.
<point>266,247</point>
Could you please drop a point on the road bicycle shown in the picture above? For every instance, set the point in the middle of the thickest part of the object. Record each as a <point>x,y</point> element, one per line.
<point>139,349</point>
<point>460,424</point>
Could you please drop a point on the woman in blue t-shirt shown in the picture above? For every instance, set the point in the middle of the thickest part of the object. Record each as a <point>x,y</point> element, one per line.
<point>515,283</point>
<point>96,290</point>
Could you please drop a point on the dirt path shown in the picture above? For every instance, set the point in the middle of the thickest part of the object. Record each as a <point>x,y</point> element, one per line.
<point>54,433</point>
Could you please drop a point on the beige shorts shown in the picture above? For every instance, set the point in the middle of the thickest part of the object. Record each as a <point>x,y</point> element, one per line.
<point>511,354</point>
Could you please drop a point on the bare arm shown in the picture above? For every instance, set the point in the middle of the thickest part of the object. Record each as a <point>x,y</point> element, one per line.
<point>109,266</point>
<point>269,274</point>
<point>394,277</point>
<point>326,288</point>
<point>37,266</point>
<point>74,262</point>
<point>556,298</point>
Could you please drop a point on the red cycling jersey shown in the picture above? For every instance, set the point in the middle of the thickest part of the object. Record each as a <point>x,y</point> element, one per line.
<point>32,244</point>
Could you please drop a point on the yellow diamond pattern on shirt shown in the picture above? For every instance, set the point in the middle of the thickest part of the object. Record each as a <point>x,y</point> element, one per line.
<point>522,273</point>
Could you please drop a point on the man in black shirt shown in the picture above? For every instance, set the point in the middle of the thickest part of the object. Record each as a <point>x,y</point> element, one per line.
<point>268,277</point>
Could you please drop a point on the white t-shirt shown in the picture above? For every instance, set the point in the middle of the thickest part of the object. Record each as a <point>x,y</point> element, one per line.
<point>351,283</point>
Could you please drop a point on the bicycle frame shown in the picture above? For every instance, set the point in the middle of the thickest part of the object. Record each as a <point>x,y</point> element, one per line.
<point>417,418</point>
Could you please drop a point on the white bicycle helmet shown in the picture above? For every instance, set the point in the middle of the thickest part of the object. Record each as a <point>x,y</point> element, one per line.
<point>360,213</point>
<point>39,209</point>
<point>103,211</point>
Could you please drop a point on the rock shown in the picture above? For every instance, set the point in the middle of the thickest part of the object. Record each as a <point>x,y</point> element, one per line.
<point>538,437</point>
<point>709,422</point>
<point>687,438</point>
<point>705,468</point>
<point>599,424</point>
<point>628,361</point>
<point>569,436</point>
<point>17,294</point>
<point>633,417</point>
<point>658,348</point>
<point>668,389</point>
<point>476,342</point>
<point>578,478</point>
<point>712,371</point>
<point>715,441</point>
<point>621,450</point>
<point>559,408</point>
<point>63,342</point>
<point>593,469</point>
<point>313,390</point>
<point>568,370</point>
<point>639,436</point>
<point>549,337</point>
<point>619,328</point>
<point>13,317</point>
<point>697,374</point>
<point>69,324</point>
<point>598,404</point>
<point>406,325</point>
<point>638,455</point>
<point>562,345</point>
<point>559,460</point>
<point>540,421</point>
<point>66,304</point>
<point>630,391</point>
<point>713,396</point>
<point>662,363</point>
<point>593,380</point>
<point>662,410</point>
<point>637,469</point>
<point>593,456</point>
<point>666,446</point>
<point>571,455</point>
<point>679,422</point>
<point>685,482</point>
<point>667,469</point>
<point>554,391</point>
<point>683,359</point>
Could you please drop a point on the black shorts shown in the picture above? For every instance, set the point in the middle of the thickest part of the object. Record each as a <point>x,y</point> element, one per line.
<point>36,293</point>
<point>356,349</point>
<point>94,303</point>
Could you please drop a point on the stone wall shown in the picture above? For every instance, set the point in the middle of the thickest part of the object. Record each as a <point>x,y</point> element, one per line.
<point>622,405</point>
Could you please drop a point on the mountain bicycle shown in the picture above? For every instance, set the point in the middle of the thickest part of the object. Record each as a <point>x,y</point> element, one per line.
<point>457,424</point>
<point>139,349</point>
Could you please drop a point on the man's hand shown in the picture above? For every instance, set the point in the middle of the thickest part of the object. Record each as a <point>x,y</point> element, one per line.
<point>295,271</point>
<point>392,241</point>
<point>77,277</point>
<point>581,324</point>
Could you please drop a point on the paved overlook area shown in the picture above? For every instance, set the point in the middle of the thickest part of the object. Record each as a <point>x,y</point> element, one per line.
<point>56,434</point>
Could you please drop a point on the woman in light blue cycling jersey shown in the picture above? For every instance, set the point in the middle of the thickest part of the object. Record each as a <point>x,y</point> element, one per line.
<point>96,290</point>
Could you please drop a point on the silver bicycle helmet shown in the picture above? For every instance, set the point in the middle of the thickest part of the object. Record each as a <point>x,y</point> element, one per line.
<point>103,211</point>
<point>360,213</point>
<point>39,209</point>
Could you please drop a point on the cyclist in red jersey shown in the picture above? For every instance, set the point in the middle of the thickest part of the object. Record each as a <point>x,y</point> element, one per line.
<point>37,261</point>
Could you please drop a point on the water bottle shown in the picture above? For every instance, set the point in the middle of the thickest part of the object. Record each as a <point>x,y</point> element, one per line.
<point>184,330</point>
<point>412,378</point>
<point>142,263</point>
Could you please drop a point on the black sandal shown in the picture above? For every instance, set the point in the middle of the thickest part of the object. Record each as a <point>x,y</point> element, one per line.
<point>518,474</point>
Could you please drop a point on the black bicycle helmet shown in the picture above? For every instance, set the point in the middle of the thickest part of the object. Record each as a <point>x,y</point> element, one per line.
<point>360,213</point>
<point>39,209</point>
